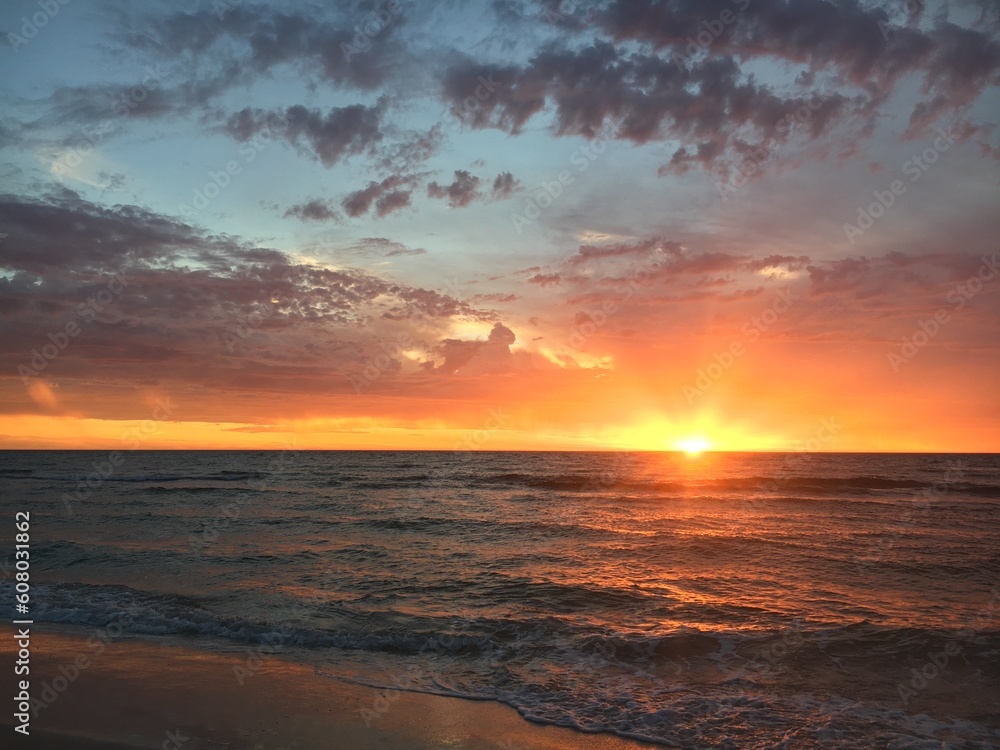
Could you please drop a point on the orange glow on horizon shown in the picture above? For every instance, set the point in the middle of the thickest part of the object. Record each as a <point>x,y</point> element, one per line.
<point>608,413</point>
<point>33,431</point>
<point>76,433</point>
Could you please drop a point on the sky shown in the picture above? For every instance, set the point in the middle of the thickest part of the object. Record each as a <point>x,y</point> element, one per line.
<point>500,224</point>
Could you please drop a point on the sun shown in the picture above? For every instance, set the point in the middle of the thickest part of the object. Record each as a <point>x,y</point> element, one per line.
<point>693,445</point>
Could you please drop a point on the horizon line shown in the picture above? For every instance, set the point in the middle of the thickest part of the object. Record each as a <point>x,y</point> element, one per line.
<point>504,450</point>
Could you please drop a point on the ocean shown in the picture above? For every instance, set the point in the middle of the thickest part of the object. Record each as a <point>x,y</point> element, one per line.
<point>712,601</point>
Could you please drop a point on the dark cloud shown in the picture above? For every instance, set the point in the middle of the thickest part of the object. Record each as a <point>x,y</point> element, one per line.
<point>495,297</point>
<point>501,334</point>
<point>256,39</point>
<point>391,194</point>
<point>410,153</point>
<point>341,132</point>
<point>648,247</point>
<point>419,303</point>
<point>189,60</point>
<point>701,263</point>
<point>895,284</point>
<point>514,99</point>
<point>839,275</point>
<point>381,247</point>
<point>89,115</point>
<point>960,65</point>
<point>112,180</point>
<point>65,231</point>
<point>545,279</point>
<point>478,357</point>
<point>406,251</point>
<point>460,193</point>
<point>504,185</point>
<point>601,92</point>
<point>704,97</point>
<point>390,202</point>
<point>632,78</point>
<point>871,47</point>
<point>514,13</point>
<point>314,210</point>
<point>393,249</point>
<point>704,154</point>
<point>508,12</point>
<point>188,297</point>
<point>112,104</point>
<point>465,188</point>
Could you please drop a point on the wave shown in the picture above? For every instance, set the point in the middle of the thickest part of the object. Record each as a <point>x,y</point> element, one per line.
<point>221,476</point>
<point>676,716</point>
<point>864,483</point>
<point>572,483</point>
<point>582,483</point>
<point>147,613</point>
<point>485,529</point>
<point>166,613</point>
<point>194,490</point>
<point>815,484</point>
<point>686,687</point>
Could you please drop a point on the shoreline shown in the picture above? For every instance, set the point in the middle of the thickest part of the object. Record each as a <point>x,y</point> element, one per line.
<point>147,692</point>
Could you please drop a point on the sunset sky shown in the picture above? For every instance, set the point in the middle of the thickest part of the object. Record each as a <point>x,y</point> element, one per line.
<point>506,224</point>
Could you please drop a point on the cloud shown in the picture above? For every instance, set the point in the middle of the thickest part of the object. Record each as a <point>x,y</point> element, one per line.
<point>393,249</point>
<point>546,279</point>
<point>870,47</point>
<point>789,262</point>
<point>504,185</point>
<point>411,152</point>
<point>465,189</point>
<point>394,201</point>
<point>314,210</point>
<point>204,309</point>
<point>341,132</point>
<point>256,39</point>
<point>491,356</point>
<point>646,81</point>
<point>642,248</point>
<point>495,297</point>
<point>460,193</point>
<point>704,154</point>
<point>391,194</point>
<point>842,275</point>
<point>405,251</point>
<point>635,97</point>
<point>63,230</point>
<point>380,247</point>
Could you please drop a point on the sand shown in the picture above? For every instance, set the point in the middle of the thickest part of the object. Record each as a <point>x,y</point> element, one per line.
<point>152,693</point>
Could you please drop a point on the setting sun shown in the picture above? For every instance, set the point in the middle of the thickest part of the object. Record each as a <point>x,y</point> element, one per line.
<point>693,445</point>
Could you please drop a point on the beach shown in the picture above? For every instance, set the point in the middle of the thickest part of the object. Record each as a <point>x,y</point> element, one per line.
<point>143,693</point>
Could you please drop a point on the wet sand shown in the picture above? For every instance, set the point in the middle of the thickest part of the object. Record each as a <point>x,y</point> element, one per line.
<point>151,693</point>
